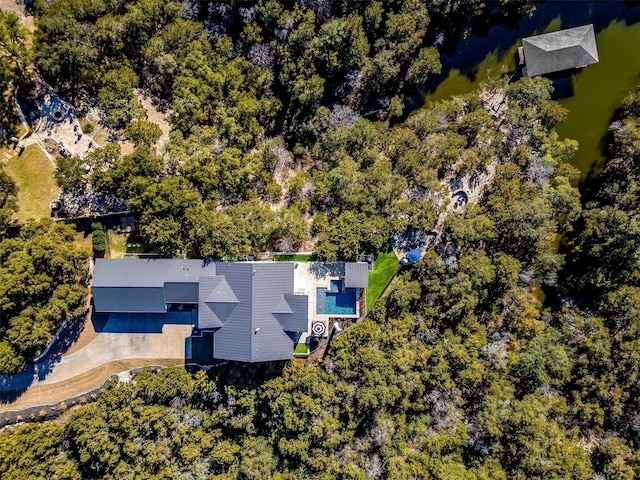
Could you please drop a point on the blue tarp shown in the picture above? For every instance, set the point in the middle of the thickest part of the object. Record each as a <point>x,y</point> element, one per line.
<point>414,255</point>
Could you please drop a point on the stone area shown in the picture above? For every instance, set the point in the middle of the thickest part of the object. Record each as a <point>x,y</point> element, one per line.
<point>57,128</point>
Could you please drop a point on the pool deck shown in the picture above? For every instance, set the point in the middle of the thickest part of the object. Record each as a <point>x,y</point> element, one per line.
<point>308,278</point>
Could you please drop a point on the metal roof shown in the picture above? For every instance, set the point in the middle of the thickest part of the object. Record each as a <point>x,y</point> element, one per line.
<point>252,305</point>
<point>299,319</point>
<point>207,318</point>
<point>356,275</point>
<point>221,292</point>
<point>149,272</point>
<point>129,299</point>
<point>561,50</point>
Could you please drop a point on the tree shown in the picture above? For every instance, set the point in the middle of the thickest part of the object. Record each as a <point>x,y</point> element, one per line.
<point>98,239</point>
<point>523,219</point>
<point>34,451</point>
<point>164,206</point>
<point>13,36</point>
<point>40,275</point>
<point>8,198</point>
<point>292,229</point>
<point>64,53</point>
<point>11,362</point>
<point>142,132</point>
<point>14,56</point>
<point>116,96</point>
<point>235,231</point>
<point>404,294</point>
<point>127,177</point>
<point>70,175</point>
<point>426,64</point>
<point>544,361</point>
<point>340,46</point>
<point>507,272</point>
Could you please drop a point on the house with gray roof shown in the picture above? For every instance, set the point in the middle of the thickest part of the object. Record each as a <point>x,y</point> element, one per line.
<point>250,306</point>
<point>146,286</point>
<point>559,51</point>
<point>254,311</point>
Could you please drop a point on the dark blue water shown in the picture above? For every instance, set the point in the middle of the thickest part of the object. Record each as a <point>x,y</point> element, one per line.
<point>593,94</point>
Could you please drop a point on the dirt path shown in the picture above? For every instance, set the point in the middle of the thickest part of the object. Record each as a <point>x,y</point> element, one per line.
<point>12,6</point>
<point>156,116</point>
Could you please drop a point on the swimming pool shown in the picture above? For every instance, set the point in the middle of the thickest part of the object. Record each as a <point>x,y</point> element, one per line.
<point>336,300</point>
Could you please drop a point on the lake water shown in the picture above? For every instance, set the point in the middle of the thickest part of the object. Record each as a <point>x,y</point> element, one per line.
<point>595,92</point>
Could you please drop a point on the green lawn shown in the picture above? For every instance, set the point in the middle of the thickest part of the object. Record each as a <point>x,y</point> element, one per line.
<point>295,258</point>
<point>301,348</point>
<point>33,173</point>
<point>385,267</point>
<point>120,243</point>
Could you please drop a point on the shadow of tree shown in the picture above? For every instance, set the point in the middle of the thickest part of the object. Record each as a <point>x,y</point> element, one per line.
<point>320,269</point>
<point>13,386</point>
<point>67,337</point>
<point>247,375</point>
<point>9,122</point>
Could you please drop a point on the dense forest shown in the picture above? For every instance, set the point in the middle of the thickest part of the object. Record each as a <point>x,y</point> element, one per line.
<point>283,132</point>
<point>41,285</point>
<point>279,115</point>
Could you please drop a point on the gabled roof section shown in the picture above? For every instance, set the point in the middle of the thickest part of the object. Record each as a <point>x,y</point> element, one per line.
<point>282,311</point>
<point>282,306</point>
<point>221,292</point>
<point>298,321</point>
<point>255,331</point>
<point>217,302</point>
<point>561,50</point>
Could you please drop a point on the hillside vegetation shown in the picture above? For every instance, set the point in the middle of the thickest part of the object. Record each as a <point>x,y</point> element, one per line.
<point>279,114</point>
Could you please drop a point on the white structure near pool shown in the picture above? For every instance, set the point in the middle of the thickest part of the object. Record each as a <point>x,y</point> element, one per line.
<point>335,291</point>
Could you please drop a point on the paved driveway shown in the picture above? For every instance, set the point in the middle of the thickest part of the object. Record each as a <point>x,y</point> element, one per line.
<point>123,336</point>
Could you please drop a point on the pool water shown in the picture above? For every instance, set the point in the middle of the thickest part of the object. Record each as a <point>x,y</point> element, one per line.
<point>336,286</point>
<point>334,301</point>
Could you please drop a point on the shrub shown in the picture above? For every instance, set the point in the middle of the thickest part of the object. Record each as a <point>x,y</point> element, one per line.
<point>98,238</point>
<point>88,127</point>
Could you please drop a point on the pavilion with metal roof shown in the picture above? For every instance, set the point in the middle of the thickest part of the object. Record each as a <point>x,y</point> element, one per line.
<point>559,51</point>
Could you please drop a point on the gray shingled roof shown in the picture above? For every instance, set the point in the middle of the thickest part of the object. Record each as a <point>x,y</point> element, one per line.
<point>254,331</point>
<point>561,50</point>
<point>356,275</point>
